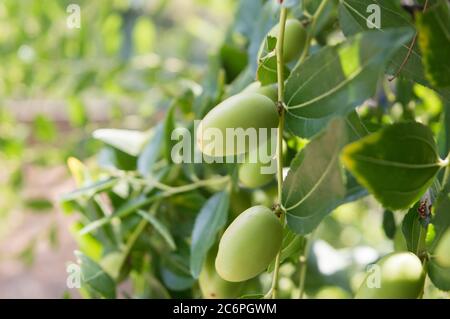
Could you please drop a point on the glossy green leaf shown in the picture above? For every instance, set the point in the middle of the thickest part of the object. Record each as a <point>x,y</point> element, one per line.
<point>91,189</point>
<point>355,17</point>
<point>389,225</point>
<point>313,97</point>
<point>441,217</point>
<point>440,276</point>
<point>291,247</point>
<point>396,164</point>
<point>95,277</point>
<point>234,61</point>
<point>356,128</point>
<point>124,210</point>
<point>266,18</point>
<point>151,151</point>
<point>315,184</point>
<point>412,229</point>
<point>211,219</point>
<point>434,39</point>
<point>127,141</point>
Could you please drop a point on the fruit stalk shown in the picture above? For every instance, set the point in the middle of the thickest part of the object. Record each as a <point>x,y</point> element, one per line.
<point>303,264</point>
<point>280,106</point>
<point>312,29</point>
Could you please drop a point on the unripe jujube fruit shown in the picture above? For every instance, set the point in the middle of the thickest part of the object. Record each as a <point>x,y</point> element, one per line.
<point>249,244</point>
<point>254,174</point>
<point>294,39</point>
<point>442,252</point>
<point>212,285</point>
<point>241,111</point>
<point>401,277</point>
<point>271,91</point>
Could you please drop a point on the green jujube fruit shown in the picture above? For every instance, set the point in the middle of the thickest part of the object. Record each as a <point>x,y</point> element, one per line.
<point>271,91</point>
<point>249,244</point>
<point>256,171</point>
<point>239,112</point>
<point>401,277</point>
<point>212,285</point>
<point>294,40</point>
<point>442,252</point>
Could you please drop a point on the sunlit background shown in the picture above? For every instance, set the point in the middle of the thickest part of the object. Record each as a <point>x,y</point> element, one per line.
<point>57,85</point>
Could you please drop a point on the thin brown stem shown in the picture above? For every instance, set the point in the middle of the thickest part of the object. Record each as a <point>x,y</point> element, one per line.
<point>410,50</point>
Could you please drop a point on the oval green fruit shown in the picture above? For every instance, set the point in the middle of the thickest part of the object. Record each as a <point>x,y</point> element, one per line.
<point>212,285</point>
<point>401,276</point>
<point>294,39</point>
<point>258,169</point>
<point>442,252</point>
<point>237,114</point>
<point>271,91</point>
<point>249,244</point>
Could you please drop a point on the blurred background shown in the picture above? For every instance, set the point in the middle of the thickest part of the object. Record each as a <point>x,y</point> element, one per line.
<point>121,69</point>
<point>58,84</point>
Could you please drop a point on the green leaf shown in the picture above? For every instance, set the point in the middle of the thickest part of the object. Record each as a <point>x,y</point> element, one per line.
<point>265,20</point>
<point>396,164</point>
<point>91,189</point>
<point>212,85</point>
<point>175,271</point>
<point>159,227</point>
<point>127,141</point>
<point>313,96</point>
<point>434,39</point>
<point>353,16</point>
<point>212,218</point>
<point>87,243</point>
<point>95,277</point>
<point>291,247</point>
<point>441,217</point>
<point>315,184</point>
<point>234,61</point>
<point>175,281</point>
<point>127,208</point>
<point>389,225</point>
<point>151,151</point>
<point>267,64</point>
<point>440,276</point>
<point>412,228</point>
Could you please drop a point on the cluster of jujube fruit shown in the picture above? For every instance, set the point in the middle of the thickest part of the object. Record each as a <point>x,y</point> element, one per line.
<point>253,239</point>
